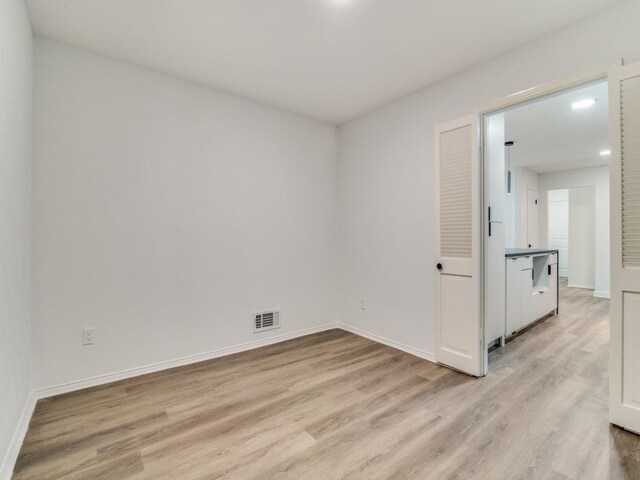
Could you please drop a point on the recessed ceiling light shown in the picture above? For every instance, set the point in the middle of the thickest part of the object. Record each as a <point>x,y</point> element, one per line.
<point>605,153</point>
<point>589,102</point>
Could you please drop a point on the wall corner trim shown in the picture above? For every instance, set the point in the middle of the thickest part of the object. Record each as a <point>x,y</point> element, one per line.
<point>11,455</point>
<point>390,343</point>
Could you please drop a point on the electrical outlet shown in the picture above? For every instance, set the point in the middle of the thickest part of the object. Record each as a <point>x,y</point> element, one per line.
<point>87,336</point>
<point>363,303</point>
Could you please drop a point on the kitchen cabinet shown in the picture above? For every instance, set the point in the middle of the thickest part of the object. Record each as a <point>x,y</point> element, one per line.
<point>531,287</point>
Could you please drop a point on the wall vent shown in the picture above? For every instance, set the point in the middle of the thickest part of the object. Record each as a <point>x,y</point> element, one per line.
<point>266,320</point>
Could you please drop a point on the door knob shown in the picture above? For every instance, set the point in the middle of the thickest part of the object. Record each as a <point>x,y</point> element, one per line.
<point>439,266</point>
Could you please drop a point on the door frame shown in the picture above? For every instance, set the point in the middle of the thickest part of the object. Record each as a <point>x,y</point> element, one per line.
<point>600,72</point>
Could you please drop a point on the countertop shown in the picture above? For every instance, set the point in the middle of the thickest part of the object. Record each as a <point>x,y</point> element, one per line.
<point>527,252</point>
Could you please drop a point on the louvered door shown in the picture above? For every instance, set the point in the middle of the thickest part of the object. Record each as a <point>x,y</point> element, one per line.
<point>458,342</point>
<point>624,126</point>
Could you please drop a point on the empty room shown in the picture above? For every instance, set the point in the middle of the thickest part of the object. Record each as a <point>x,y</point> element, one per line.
<point>319,239</point>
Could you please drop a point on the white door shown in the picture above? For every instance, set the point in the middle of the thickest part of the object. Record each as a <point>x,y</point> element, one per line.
<point>458,339</point>
<point>532,218</point>
<point>624,127</point>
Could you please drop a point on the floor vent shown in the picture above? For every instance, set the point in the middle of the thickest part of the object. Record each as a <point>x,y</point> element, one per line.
<point>267,320</point>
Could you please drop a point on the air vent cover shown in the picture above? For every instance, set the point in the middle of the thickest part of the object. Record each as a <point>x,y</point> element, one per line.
<point>266,320</point>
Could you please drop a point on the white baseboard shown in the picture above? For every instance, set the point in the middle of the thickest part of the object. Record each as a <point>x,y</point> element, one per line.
<point>601,294</point>
<point>50,391</point>
<point>178,362</point>
<point>574,285</point>
<point>10,457</point>
<point>391,343</point>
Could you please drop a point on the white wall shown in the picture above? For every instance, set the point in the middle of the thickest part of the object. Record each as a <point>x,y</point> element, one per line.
<point>582,236</point>
<point>165,213</point>
<point>387,173</point>
<point>597,177</point>
<point>509,219</point>
<point>15,222</point>
<point>522,180</point>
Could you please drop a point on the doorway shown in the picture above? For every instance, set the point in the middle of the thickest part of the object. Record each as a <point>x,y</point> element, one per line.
<point>572,231</point>
<point>619,267</point>
<point>546,182</point>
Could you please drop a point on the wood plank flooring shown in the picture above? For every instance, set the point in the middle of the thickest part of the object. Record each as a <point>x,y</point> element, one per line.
<point>338,406</point>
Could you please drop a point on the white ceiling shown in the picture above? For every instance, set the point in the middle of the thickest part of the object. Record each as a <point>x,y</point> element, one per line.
<point>328,59</point>
<point>550,136</point>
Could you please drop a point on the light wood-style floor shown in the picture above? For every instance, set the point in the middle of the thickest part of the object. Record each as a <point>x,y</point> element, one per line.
<point>337,406</point>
